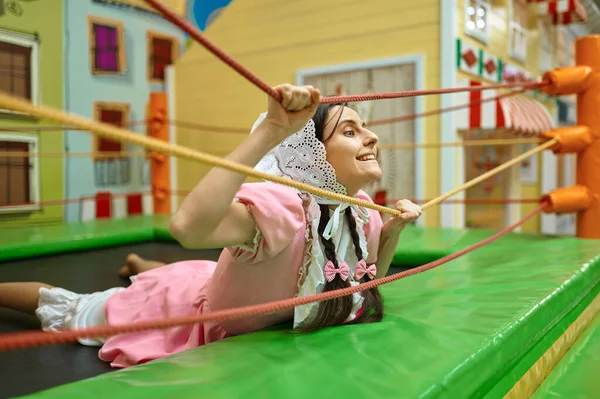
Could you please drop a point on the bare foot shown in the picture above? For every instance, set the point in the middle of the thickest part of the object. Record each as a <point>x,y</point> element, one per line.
<point>128,269</point>
<point>135,264</point>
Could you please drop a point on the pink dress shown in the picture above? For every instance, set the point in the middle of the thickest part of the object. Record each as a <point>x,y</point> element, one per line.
<point>262,271</point>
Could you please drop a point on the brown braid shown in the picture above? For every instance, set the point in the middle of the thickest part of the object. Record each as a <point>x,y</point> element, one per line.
<point>336,311</point>
<point>373,301</point>
<point>333,312</point>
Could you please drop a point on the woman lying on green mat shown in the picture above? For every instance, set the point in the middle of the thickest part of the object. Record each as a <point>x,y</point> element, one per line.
<point>279,242</point>
<point>135,264</point>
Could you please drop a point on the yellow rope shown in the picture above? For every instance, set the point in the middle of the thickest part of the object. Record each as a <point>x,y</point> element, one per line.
<point>119,134</point>
<point>490,173</point>
<point>465,143</point>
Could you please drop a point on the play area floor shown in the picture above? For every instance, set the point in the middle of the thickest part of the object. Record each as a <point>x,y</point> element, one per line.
<point>470,328</point>
<point>31,370</point>
<point>576,375</point>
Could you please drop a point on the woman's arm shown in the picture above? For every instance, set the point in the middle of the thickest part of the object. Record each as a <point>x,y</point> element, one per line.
<point>208,217</point>
<point>388,242</point>
<point>390,234</point>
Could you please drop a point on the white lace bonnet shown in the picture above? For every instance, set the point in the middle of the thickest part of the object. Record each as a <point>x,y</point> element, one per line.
<point>302,157</point>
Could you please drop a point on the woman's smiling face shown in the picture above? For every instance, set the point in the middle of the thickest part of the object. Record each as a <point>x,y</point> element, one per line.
<point>351,149</point>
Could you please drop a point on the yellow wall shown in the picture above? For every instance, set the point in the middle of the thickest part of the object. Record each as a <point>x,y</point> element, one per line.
<point>498,46</point>
<point>176,5</point>
<point>274,40</point>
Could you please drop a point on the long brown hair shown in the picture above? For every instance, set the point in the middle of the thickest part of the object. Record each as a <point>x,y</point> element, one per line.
<point>335,311</point>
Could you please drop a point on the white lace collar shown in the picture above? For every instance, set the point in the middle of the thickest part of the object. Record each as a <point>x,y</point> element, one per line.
<point>302,157</point>
<point>312,279</point>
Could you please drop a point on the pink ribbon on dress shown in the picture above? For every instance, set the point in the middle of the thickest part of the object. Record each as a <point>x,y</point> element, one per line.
<point>330,271</point>
<point>362,269</point>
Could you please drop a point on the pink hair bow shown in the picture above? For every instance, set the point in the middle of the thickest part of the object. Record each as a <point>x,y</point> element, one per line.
<point>330,271</point>
<point>362,269</point>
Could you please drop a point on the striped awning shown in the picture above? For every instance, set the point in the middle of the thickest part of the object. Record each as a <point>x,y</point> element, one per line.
<point>563,12</point>
<point>106,205</point>
<point>525,115</point>
<point>520,114</point>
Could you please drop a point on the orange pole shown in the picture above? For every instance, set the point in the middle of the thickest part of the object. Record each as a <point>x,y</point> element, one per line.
<point>587,53</point>
<point>160,171</point>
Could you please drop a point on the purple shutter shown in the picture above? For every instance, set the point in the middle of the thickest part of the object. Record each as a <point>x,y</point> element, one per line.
<point>106,47</point>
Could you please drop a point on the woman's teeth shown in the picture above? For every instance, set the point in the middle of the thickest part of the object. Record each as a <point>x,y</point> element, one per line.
<point>369,157</point>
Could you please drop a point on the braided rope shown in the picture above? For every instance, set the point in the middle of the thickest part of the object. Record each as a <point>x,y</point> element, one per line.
<point>36,338</point>
<point>119,134</point>
<point>195,33</point>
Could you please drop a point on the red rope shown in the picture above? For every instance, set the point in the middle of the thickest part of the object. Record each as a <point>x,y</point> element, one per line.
<point>197,36</point>
<point>42,128</point>
<point>228,129</point>
<point>473,201</point>
<point>414,93</point>
<point>188,28</point>
<point>441,110</point>
<point>37,338</point>
<point>66,201</point>
<point>183,193</point>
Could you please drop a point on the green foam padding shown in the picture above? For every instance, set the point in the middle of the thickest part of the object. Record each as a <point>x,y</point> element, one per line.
<point>25,242</point>
<point>161,229</point>
<point>576,375</point>
<point>540,347</point>
<point>458,331</point>
<point>419,245</point>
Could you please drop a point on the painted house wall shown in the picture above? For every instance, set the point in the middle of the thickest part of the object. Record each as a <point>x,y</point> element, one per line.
<point>316,35</point>
<point>83,89</point>
<point>178,6</point>
<point>46,21</point>
<point>499,46</point>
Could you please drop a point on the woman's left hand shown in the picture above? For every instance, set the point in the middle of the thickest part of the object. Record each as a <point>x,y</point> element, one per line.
<point>410,213</point>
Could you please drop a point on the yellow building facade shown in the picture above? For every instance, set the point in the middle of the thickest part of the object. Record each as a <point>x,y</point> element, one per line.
<point>359,47</point>
<point>352,47</point>
<point>500,41</point>
<point>178,6</point>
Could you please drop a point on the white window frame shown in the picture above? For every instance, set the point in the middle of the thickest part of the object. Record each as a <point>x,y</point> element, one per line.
<point>570,50</point>
<point>25,40</point>
<point>546,46</point>
<point>482,35</point>
<point>514,26</point>
<point>34,173</point>
<point>562,59</point>
<point>418,60</point>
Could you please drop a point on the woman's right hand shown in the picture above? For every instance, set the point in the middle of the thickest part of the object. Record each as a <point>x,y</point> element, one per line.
<point>298,106</point>
<point>215,220</point>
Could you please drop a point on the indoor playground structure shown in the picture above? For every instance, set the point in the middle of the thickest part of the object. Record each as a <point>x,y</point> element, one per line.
<point>470,313</point>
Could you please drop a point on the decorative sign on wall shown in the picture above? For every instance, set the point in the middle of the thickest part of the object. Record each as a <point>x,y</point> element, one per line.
<point>486,158</point>
<point>528,172</point>
<point>512,73</point>
<point>478,62</point>
<point>13,7</point>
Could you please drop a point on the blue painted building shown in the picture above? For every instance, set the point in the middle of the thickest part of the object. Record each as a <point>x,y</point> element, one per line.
<point>114,56</point>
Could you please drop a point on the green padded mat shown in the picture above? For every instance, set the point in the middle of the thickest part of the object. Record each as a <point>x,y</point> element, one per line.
<point>576,375</point>
<point>25,242</point>
<point>417,246</point>
<point>466,329</point>
<point>541,346</point>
